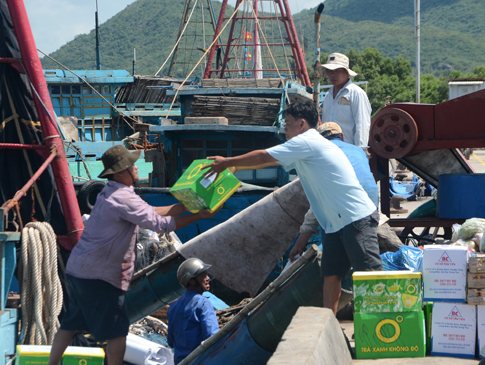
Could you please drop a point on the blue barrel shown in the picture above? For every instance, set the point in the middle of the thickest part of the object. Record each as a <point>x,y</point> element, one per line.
<point>461,196</point>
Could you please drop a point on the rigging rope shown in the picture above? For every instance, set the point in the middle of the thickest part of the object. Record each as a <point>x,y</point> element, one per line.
<point>178,40</point>
<point>266,42</point>
<point>203,56</point>
<point>41,290</point>
<point>96,91</point>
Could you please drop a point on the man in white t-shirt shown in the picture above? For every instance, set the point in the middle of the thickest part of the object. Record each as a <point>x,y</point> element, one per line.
<point>339,202</point>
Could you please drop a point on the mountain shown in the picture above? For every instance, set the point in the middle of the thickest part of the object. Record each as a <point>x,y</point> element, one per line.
<point>452,33</point>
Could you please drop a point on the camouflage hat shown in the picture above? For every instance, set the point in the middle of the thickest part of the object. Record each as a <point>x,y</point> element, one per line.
<point>117,159</point>
<point>329,129</point>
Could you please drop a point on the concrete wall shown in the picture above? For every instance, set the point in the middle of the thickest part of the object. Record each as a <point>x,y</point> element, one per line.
<point>314,337</point>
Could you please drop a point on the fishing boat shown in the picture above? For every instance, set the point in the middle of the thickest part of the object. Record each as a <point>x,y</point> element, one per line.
<point>175,120</point>
<point>41,190</point>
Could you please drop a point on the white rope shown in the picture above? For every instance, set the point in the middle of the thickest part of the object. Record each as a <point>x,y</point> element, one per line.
<point>178,40</point>
<point>41,290</point>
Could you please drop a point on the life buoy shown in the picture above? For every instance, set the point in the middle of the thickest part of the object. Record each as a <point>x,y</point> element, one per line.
<point>86,197</point>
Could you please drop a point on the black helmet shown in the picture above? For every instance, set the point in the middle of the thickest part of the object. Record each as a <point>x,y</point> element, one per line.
<point>190,269</point>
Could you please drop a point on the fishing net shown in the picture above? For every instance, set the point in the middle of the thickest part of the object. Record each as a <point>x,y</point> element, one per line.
<point>152,247</point>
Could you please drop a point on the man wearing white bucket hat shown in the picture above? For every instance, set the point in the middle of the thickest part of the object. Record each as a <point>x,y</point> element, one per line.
<point>345,103</point>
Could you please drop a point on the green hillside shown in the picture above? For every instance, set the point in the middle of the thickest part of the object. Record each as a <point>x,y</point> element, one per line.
<point>452,34</point>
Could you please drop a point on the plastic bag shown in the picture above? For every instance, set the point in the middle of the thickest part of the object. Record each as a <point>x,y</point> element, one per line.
<point>482,244</point>
<point>407,258</point>
<point>470,228</point>
<point>470,245</point>
<point>456,229</point>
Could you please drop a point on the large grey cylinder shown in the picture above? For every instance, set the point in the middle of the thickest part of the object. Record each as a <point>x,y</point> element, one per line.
<point>244,250</point>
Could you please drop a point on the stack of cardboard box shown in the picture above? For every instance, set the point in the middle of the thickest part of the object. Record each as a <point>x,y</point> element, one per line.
<point>388,318</point>
<point>476,294</point>
<point>453,321</point>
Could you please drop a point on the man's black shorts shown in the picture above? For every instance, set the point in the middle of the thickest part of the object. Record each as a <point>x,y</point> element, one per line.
<point>97,307</point>
<point>354,246</point>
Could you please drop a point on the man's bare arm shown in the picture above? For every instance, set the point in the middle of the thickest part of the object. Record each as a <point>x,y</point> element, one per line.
<point>253,158</point>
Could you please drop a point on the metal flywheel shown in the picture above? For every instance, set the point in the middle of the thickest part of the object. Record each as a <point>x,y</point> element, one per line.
<point>393,133</point>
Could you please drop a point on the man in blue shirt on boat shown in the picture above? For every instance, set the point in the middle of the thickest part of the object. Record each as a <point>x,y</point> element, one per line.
<point>341,205</point>
<point>191,318</point>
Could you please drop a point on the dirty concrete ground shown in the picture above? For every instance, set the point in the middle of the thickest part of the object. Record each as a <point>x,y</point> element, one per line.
<point>477,161</point>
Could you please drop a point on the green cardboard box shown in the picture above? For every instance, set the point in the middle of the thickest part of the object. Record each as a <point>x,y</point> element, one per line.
<point>196,192</point>
<point>389,335</point>
<point>83,356</point>
<point>428,315</point>
<point>32,355</point>
<point>387,291</point>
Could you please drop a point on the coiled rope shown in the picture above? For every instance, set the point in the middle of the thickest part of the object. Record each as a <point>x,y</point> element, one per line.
<point>41,289</point>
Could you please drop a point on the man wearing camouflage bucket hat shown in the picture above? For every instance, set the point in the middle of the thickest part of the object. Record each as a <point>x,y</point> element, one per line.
<point>345,103</point>
<point>101,265</point>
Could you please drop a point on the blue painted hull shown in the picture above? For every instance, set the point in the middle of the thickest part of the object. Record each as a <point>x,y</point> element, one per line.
<point>237,348</point>
<point>242,199</point>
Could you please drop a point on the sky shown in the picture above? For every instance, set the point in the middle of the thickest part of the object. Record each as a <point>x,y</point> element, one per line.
<point>56,22</point>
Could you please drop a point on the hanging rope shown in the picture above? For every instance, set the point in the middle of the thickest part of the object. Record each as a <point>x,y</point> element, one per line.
<point>41,290</point>
<point>178,40</point>
<point>92,88</point>
<point>205,53</point>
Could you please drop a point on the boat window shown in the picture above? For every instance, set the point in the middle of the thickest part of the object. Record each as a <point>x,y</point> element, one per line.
<point>192,143</point>
<point>108,121</point>
<point>210,152</point>
<point>188,156</point>
<point>262,144</point>
<point>216,144</point>
<point>76,89</point>
<point>242,143</point>
<point>239,152</point>
<point>87,90</point>
<point>106,90</point>
<point>55,89</point>
<point>98,89</point>
<point>98,121</point>
<point>88,122</point>
<point>66,89</point>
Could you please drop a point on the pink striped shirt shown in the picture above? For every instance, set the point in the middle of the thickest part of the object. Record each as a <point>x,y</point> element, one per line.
<point>106,250</point>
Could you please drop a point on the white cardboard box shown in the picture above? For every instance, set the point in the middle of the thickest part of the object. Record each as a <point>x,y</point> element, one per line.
<point>444,273</point>
<point>453,330</point>
<point>481,330</point>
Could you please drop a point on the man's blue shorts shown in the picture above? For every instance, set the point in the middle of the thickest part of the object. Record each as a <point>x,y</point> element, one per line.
<point>97,307</point>
<point>354,246</point>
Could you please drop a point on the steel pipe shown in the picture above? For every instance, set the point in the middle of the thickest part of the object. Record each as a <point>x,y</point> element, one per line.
<point>18,146</point>
<point>9,204</point>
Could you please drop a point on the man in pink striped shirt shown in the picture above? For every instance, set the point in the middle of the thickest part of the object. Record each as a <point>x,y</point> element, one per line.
<point>101,265</point>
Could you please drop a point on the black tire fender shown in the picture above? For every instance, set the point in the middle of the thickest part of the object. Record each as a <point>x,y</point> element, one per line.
<point>86,197</point>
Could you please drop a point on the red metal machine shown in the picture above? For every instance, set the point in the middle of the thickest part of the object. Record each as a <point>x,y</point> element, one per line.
<point>425,138</point>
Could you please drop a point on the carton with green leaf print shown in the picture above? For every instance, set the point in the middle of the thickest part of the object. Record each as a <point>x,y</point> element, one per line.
<point>387,291</point>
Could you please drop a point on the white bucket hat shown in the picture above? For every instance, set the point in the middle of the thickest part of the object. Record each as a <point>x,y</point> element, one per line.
<point>335,61</point>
